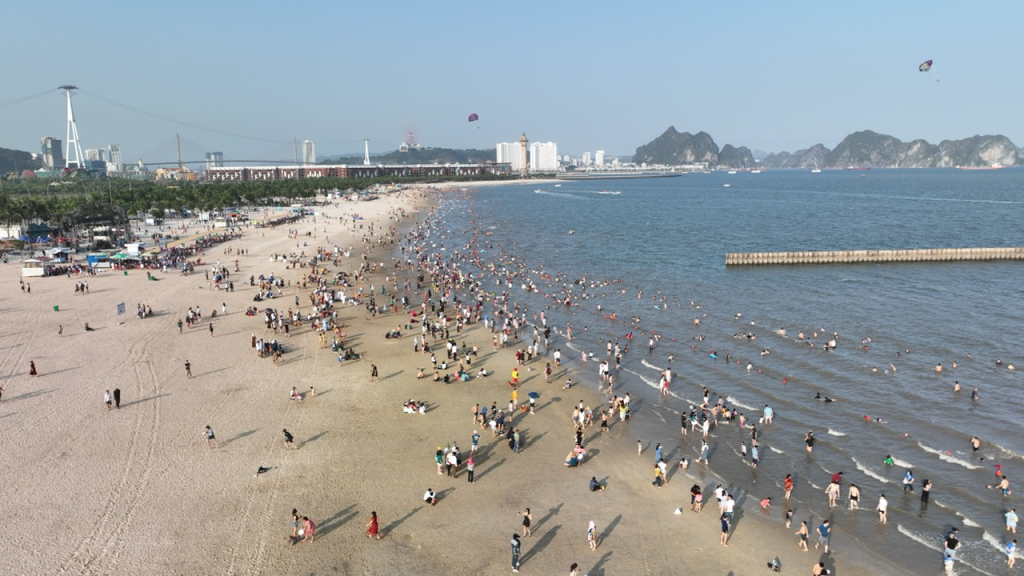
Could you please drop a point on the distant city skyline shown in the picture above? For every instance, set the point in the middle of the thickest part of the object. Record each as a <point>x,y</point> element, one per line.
<point>770,77</point>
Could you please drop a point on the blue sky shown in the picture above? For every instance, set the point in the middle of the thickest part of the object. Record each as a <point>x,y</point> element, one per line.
<point>587,75</point>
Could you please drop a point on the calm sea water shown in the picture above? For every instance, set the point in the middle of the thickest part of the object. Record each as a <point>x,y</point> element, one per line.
<point>669,237</point>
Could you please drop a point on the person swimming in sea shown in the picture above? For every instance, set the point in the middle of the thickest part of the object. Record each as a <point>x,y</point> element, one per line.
<point>818,396</point>
<point>888,460</point>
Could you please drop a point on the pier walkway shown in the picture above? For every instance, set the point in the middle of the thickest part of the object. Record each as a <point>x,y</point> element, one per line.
<point>866,256</point>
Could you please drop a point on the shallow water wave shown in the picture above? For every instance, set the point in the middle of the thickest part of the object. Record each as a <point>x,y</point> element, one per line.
<point>949,458</point>
<point>871,472</point>
<point>927,313</point>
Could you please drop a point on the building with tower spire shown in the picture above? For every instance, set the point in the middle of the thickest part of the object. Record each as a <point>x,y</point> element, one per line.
<point>523,143</point>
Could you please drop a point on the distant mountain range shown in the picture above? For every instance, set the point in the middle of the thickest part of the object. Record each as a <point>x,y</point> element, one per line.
<point>675,148</point>
<point>861,149</point>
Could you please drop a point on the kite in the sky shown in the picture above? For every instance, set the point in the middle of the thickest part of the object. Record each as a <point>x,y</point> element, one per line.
<point>925,66</point>
<point>473,117</point>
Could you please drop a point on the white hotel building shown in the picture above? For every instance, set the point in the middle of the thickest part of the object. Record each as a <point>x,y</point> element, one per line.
<point>543,156</point>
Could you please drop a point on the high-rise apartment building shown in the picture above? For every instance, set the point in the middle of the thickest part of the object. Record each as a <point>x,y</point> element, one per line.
<point>95,154</point>
<point>599,158</point>
<point>53,153</point>
<point>214,160</point>
<point>308,152</point>
<point>509,153</point>
<point>114,158</point>
<point>586,158</point>
<point>543,157</point>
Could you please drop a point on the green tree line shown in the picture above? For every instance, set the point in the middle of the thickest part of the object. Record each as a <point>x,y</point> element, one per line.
<point>49,200</point>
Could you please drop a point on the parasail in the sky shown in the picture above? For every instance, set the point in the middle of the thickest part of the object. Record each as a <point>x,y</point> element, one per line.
<point>473,117</point>
<point>925,66</point>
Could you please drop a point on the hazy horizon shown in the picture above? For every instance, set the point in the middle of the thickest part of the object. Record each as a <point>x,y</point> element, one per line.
<point>596,76</point>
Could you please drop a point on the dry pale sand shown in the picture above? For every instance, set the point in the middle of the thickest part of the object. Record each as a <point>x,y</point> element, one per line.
<point>137,491</point>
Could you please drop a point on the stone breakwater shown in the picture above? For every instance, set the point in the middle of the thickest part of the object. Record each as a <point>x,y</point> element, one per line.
<point>866,256</point>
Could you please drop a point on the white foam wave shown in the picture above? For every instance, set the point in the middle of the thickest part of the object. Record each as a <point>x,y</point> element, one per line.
<point>928,543</point>
<point>949,458</point>
<point>815,486</point>
<point>835,433</point>
<point>937,545</point>
<point>732,400</point>
<point>995,542</point>
<point>651,366</point>
<point>902,463</point>
<point>558,194</point>
<point>1007,453</point>
<point>654,385</point>
<point>968,521</point>
<point>647,381</point>
<point>870,472</point>
<point>776,450</point>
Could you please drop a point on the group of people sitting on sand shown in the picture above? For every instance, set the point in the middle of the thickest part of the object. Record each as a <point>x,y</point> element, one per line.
<point>413,407</point>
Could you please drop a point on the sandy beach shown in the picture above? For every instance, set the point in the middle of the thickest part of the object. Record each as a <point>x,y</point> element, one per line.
<point>136,490</point>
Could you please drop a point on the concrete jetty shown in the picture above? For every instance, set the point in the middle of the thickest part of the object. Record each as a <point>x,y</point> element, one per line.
<point>866,256</point>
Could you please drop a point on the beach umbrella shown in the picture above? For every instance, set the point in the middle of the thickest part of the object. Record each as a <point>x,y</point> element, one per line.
<point>534,395</point>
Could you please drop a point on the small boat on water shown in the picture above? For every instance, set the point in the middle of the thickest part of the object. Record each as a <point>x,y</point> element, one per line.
<point>755,171</point>
<point>731,172</point>
<point>816,170</point>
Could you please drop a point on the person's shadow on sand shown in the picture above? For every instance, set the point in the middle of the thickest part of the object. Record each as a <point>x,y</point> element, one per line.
<point>388,529</point>
<point>339,519</point>
<point>541,544</point>
<point>598,569</point>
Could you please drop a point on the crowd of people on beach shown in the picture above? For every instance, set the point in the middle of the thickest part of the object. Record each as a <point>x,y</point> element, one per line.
<point>452,295</point>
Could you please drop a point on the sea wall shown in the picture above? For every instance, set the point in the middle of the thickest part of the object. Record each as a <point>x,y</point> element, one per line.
<point>866,256</point>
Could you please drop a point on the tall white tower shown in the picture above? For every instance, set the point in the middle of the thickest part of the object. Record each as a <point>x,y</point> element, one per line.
<point>73,143</point>
<point>523,162</point>
<point>366,152</point>
<point>308,152</point>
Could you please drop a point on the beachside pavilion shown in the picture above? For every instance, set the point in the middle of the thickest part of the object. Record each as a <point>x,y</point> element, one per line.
<point>36,267</point>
